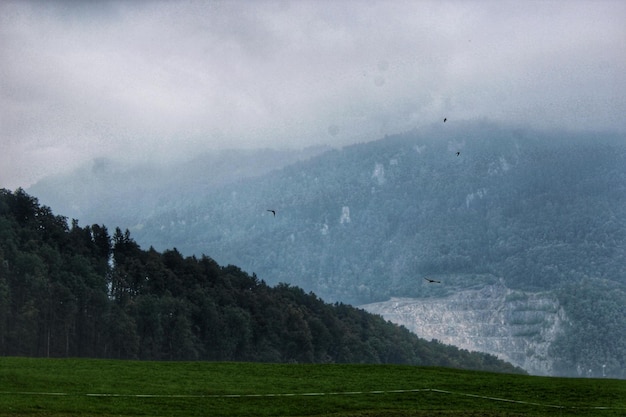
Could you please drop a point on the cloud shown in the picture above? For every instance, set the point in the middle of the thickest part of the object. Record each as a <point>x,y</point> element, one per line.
<point>157,80</point>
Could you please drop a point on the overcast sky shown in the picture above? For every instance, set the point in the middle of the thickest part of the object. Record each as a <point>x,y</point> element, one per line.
<point>160,80</point>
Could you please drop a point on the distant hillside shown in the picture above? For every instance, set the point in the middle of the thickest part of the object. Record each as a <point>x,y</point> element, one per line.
<point>537,211</point>
<point>76,291</point>
<point>367,222</point>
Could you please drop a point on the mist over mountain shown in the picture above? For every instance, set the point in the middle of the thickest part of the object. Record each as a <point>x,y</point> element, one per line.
<point>469,204</point>
<point>125,193</point>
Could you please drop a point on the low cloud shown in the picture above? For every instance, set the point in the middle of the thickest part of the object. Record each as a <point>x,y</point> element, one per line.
<point>161,80</point>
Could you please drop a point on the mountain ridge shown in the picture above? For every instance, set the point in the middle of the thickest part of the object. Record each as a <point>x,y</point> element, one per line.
<point>310,205</point>
<point>545,211</point>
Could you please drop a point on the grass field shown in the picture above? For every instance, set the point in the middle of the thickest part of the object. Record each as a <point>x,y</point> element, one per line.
<point>82,387</point>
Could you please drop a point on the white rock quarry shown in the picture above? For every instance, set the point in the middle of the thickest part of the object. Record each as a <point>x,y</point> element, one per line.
<point>515,326</point>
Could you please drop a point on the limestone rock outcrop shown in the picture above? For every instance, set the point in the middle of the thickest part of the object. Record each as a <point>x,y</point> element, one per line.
<point>515,326</point>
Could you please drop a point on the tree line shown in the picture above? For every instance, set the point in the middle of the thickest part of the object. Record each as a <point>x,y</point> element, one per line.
<point>72,291</point>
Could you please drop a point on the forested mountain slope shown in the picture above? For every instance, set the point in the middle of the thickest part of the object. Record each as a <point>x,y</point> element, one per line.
<point>366,222</point>
<point>76,291</point>
<point>536,211</point>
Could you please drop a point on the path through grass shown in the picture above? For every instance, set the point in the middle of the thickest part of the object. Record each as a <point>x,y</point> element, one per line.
<point>81,387</point>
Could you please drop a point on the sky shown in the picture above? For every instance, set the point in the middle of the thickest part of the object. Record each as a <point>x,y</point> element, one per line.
<point>164,80</point>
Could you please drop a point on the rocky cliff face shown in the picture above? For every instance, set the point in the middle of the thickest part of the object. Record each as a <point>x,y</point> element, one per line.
<point>515,326</point>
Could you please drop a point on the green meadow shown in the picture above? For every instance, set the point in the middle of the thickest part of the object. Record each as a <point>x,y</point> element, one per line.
<point>85,387</point>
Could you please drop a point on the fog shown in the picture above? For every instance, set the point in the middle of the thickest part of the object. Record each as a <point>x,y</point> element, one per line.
<point>151,80</point>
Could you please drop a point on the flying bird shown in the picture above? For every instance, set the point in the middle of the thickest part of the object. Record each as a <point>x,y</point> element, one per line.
<point>458,153</point>
<point>432,281</point>
<point>444,119</point>
<point>273,212</point>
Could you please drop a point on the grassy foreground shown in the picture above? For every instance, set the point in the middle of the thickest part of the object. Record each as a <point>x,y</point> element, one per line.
<point>83,387</point>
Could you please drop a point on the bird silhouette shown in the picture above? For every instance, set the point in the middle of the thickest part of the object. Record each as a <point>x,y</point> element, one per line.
<point>432,281</point>
<point>444,119</point>
<point>273,212</point>
<point>458,153</point>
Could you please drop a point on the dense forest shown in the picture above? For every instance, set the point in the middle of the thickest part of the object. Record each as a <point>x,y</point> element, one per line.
<point>67,290</point>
